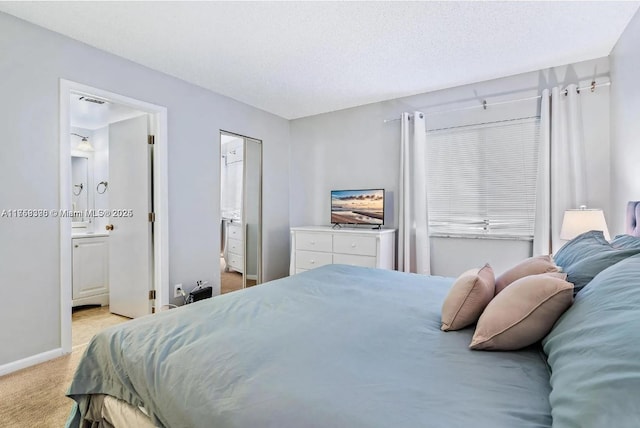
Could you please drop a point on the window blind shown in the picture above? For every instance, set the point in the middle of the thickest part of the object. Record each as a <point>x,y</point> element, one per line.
<point>482,178</point>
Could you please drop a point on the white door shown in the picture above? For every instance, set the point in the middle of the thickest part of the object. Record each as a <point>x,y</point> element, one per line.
<point>130,247</point>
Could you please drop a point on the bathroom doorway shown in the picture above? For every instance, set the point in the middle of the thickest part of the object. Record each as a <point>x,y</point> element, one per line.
<point>113,184</point>
<point>240,212</point>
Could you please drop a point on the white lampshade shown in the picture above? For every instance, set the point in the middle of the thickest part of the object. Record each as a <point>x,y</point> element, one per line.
<point>583,220</point>
<point>84,145</point>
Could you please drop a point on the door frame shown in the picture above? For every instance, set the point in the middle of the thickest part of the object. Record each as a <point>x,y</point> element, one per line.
<point>158,115</point>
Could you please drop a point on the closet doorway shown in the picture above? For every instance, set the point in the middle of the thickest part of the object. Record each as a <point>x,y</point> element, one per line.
<point>240,212</point>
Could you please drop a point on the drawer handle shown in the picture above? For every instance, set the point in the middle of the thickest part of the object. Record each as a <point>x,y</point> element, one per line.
<point>313,242</point>
<point>353,245</point>
<point>313,262</point>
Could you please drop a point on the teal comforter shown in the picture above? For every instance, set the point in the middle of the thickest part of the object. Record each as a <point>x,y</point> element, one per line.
<point>338,346</point>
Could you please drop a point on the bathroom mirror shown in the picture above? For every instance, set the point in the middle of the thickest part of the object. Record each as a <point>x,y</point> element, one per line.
<point>81,189</point>
<point>240,212</point>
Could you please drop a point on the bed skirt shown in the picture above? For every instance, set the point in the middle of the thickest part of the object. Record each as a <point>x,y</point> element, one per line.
<point>106,411</point>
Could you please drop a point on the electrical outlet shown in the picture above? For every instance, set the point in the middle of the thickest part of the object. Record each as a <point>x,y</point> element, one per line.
<point>177,290</point>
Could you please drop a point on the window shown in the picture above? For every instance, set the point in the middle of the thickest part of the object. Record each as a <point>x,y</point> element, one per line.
<point>482,179</point>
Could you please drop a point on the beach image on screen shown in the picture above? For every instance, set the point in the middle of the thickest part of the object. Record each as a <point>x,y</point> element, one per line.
<point>357,206</point>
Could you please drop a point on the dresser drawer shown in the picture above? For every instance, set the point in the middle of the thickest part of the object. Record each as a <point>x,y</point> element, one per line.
<point>235,262</point>
<point>312,259</point>
<point>234,231</point>
<point>315,246</point>
<point>359,245</point>
<point>348,259</point>
<point>235,246</point>
<point>314,242</point>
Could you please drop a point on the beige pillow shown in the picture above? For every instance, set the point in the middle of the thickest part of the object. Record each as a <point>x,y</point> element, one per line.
<point>530,266</point>
<point>523,313</point>
<point>467,298</point>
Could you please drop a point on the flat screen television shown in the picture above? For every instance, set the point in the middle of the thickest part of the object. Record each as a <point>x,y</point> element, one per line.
<point>363,206</point>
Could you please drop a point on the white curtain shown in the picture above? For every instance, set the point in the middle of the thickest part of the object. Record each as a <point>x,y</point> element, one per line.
<point>566,166</point>
<point>542,226</point>
<point>413,238</point>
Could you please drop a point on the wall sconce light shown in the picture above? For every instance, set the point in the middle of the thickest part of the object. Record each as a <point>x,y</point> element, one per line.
<point>84,145</point>
<point>576,222</point>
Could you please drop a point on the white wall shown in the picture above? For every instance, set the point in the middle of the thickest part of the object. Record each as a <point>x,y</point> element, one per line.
<point>354,148</point>
<point>625,123</point>
<point>32,62</point>
<point>452,256</point>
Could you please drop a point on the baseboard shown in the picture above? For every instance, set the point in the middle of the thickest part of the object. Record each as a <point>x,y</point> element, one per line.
<point>30,361</point>
<point>252,277</point>
<point>100,299</point>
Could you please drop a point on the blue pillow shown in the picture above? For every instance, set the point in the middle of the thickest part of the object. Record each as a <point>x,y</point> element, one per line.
<point>625,241</point>
<point>587,244</point>
<point>587,255</point>
<point>593,352</point>
<point>582,272</point>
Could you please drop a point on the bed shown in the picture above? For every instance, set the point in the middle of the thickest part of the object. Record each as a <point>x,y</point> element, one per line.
<point>345,346</point>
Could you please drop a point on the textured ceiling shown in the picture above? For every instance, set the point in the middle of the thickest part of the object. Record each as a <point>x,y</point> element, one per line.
<point>296,59</point>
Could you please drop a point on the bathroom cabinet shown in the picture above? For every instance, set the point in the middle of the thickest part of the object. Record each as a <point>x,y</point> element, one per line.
<point>90,271</point>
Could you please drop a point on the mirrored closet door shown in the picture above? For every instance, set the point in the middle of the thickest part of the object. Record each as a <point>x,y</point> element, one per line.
<point>240,212</point>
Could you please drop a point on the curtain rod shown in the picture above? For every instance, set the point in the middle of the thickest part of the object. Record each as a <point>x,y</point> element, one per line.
<point>483,123</point>
<point>484,104</point>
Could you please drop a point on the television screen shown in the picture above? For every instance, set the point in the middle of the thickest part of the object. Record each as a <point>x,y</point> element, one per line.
<point>357,206</point>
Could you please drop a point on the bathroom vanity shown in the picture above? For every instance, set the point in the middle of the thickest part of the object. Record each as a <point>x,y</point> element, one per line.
<point>90,269</point>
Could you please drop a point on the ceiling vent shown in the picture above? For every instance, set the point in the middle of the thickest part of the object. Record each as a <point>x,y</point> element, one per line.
<point>92,100</point>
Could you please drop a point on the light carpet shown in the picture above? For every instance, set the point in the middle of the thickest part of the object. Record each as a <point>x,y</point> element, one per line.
<point>232,280</point>
<point>35,396</point>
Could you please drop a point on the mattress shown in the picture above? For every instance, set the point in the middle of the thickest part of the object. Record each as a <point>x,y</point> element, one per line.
<point>337,346</point>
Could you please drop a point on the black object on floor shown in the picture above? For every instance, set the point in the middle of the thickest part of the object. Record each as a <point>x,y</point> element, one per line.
<point>201,293</point>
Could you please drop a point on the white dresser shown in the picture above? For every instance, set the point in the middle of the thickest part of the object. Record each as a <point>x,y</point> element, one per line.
<point>233,251</point>
<point>314,246</point>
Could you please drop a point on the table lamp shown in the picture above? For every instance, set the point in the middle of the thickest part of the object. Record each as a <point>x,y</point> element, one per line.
<point>583,220</point>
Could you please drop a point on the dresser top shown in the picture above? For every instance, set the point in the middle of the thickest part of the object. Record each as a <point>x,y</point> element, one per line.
<point>369,230</point>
